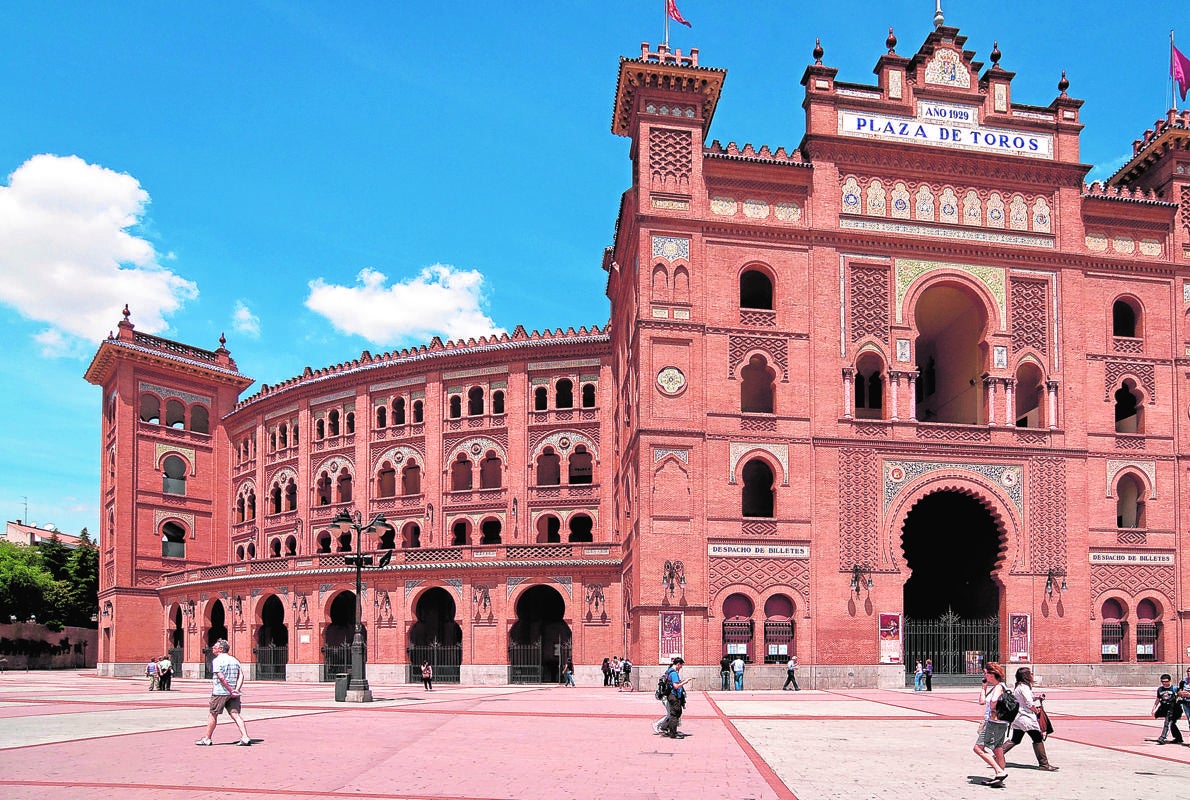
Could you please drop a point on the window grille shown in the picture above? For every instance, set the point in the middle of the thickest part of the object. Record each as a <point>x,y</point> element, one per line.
<point>737,638</point>
<point>778,641</point>
<point>1112,639</point>
<point>1148,637</point>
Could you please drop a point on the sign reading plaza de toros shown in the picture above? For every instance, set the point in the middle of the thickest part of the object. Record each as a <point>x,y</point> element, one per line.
<point>945,125</point>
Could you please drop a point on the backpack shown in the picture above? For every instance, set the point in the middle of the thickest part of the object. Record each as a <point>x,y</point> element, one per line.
<point>665,687</point>
<point>1007,706</point>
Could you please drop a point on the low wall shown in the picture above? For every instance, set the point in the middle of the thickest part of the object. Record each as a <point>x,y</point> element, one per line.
<point>81,654</point>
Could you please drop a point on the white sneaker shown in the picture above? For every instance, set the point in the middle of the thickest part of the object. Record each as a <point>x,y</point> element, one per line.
<point>656,727</point>
<point>204,742</point>
<point>244,742</point>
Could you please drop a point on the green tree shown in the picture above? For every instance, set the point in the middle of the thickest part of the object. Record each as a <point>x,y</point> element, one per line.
<point>54,556</point>
<point>82,570</point>
<point>25,584</point>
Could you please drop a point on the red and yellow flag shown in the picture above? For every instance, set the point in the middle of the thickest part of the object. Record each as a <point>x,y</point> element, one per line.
<point>671,8</point>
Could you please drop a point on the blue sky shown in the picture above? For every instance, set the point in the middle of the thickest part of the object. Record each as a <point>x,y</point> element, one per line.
<point>316,179</point>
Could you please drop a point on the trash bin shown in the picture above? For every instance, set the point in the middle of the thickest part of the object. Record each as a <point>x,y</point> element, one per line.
<point>341,681</point>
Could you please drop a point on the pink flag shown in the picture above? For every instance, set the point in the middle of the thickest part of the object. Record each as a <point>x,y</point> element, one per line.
<point>1179,70</point>
<point>671,8</point>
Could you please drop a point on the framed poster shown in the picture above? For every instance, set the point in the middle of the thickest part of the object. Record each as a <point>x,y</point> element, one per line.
<point>1019,634</point>
<point>671,636</point>
<point>890,638</point>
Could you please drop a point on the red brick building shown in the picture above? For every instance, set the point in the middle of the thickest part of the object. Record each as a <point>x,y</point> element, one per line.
<point>910,390</point>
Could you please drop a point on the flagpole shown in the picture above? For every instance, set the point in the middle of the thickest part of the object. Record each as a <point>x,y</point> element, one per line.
<point>665,13</point>
<point>1173,95</point>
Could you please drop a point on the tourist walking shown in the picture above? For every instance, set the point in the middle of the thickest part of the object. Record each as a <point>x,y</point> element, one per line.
<point>626,669</point>
<point>617,669</point>
<point>990,744</point>
<point>1167,708</point>
<point>919,677</point>
<point>929,675</point>
<point>737,668</point>
<point>676,701</point>
<point>607,671</point>
<point>568,673</point>
<point>227,685</point>
<point>427,676</point>
<point>791,674</point>
<point>165,673</point>
<point>664,702</point>
<point>154,677</point>
<point>1184,694</point>
<point>725,672</point>
<point>1026,721</point>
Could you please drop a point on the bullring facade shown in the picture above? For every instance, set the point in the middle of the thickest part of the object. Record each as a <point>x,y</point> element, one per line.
<point>910,390</point>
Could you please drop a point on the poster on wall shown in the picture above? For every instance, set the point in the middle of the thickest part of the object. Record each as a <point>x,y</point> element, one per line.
<point>890,638</point>
<point>1018,637</point>
<point>671,636</point>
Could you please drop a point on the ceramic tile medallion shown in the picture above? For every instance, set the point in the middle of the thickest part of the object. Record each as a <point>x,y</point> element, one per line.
<point>1096,242</point>
<point>671,247</point>
<point>1150,247</point>
<point>756,209</point>
<point>671,380</point>
<point>723,206</point>
<point>788,212</point>
<point>1123,244</point>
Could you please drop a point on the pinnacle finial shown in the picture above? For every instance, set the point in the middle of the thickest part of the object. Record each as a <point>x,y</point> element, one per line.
<point>891,42</point>
<point>818,51</point>
<point>126,312</point>
<point>1063,84</point>
<point>995,55</point>
<point>939,20</point>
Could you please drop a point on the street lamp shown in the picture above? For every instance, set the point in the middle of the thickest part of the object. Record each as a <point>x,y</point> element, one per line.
<point>358,690</point>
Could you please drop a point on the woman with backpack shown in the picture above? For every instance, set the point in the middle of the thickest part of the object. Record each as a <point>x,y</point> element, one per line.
<point>990,744</point>
<point>1026,720</point>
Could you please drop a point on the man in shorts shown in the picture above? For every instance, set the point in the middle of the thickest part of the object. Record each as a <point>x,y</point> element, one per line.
<point>226,684</point>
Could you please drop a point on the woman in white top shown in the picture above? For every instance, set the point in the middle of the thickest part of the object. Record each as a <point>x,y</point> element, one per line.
<point>990,744</point>
<point>1026,720</point>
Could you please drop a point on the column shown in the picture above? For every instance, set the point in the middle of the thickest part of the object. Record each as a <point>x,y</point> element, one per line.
<point>894,385</point>
<point>1009,401</point>
<point>1051,392</point>
<point>912,376</point>
<point>989,389</point>
<point>848,393</point>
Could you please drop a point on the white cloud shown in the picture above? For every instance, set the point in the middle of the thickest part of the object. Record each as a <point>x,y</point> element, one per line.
<point>68,258</point>
<point>440,300</point>
<point>1101,172</point>
<point>244,321</point>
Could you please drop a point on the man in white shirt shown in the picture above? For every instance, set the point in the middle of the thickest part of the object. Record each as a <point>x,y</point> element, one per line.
<point>226,685</point>
<point>737,667</point>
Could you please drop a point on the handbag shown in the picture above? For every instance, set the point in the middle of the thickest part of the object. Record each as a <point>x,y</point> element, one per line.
<point>1043,722</point>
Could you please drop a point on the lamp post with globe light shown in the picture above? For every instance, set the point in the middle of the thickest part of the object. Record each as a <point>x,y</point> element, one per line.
<point>358,690</point>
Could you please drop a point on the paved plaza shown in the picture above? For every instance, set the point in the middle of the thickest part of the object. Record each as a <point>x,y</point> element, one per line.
<point>72,735</point>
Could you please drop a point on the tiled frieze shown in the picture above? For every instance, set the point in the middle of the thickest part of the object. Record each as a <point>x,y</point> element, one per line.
<point>755,208</point>
<point>899,474</point>
<point>907,270</point>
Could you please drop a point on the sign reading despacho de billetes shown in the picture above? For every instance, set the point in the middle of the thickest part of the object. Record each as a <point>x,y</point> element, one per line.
<point>946,125</point>
<point>758,550</point>
<point>1130,557</point>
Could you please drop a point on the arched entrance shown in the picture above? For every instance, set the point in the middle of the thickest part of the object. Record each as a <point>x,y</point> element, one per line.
<point>952,544</point>
<point>177,638</point>
<point>272,641</point>
<point>539,641</point>
<point>951,355</point>
<point>215,631</point>
<point>435,637</point>
<point>337,637</point>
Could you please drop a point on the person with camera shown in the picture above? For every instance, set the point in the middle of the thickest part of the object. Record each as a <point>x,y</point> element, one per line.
<point>1166,707</point>
<point>990,744</point>
<point>1026,719</point>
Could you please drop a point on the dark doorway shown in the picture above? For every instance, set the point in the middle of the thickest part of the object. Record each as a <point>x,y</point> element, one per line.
<point>539,642</point>
<point>951,600</point>
<point>216,631</point>
<point>336,639</point>
<point>272,641</point>
<point>435,637</point>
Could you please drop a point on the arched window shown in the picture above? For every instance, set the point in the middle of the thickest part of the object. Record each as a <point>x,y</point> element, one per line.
<point>283,436</point>
<point>869,387</point>
<point>275,548</point>
<point>332,423</point>
<point>580,526</point>
<point>386,480</point>
<point>1130,505</point>
<point>491,472</point>
<point>411,478</point>
<point>758,489</point>
<point>456,406</point>
<point>497,402</point>
<point>175,414</point>
<point>548,529</point>
<point>240,508</point>
<point>411,535</point>
<point>1029,397</point>
<point>200,419</point>
<point>250,510</point>
<point>320,429</point>
<point>150,409</point>
<point>540,398</point>
<point>460,533</point>
<point>343,486</point>
<point>1113,630</point>
<point>322,489</point>
<point>1148,631</point>
<point>564,394</point>
<point>291,545</point>
<point>173,540</point>
<point>756,387</point>
<point>756,290</point>
<point>275,499</point>
<point>778,629</point>
<point>344,545</point>
<point>1124,319</point>
<point>399,411</point>
<point>588,395</point>
<point>388,539</point>
<point>475,402</point>
<point>460,474</point>
<point>951,352</point>
<point>549,468</point>
<point>490,530</point>
<point>251,549</point>
<point>418,412</point>
<point>173,480</point>
<point>381,417</point>
<point>291,495</point>
<point>324,542</point>
<point>738,626</point>
<point>1129,410</point>
<point>240,553</point>
<point>580,466</point>
<point>272,441</point>
<point>349,422</point>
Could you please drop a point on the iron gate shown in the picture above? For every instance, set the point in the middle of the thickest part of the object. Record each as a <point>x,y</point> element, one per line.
<point>445,659</point>
<point>175,656</point>
<point>957,646</point>
<point>270,662</point>
<point>527,663</point>
<point>336,659</point>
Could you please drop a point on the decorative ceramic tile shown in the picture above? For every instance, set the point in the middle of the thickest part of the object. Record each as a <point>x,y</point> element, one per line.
<point>671,247</point>
<point>756,209</point>
<point>924,204</point>
<point>903,351</point>
<point>1000,93</point>
<point>788,212</point>
<point>1149,468</point>
<point>1018,214</point>
<point>970,235</point>
<point>1000,356</point>
<point>909,270</point>
<point>946,69</point>
<point>895,83</point>
<point>972,209</point>
<point>948,207</point>
<point>670,204</point>
<point>1096,242</point>
<point>900,207</point>
<point>671,380</point>
<point>1150,247</point>
<point>661,452</point>
<point>1123,244</point>
<point>995,210</point>
<point>1041,215</point>
<point>876,205</point>
<point>850,196</point>
<point>1005,478</point>
<point>736,451</point>
<point>723,206</point>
